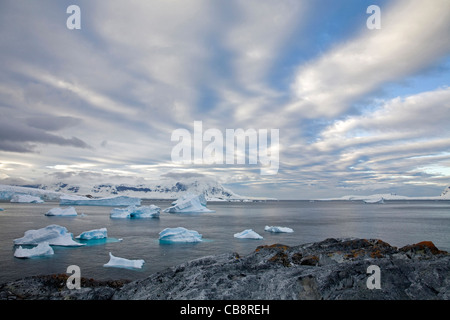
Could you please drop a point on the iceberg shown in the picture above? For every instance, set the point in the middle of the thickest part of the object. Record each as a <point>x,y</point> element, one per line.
<point>73,200</point>
<point>1,209</point>
<point>70,211</point>
<point>26,198</point>
<point>373,201</point>
<point>42,249</point>
<point>124,263</point>
<point>133,212</point>
<point>248,234</point>
<point>278,229</point>
<point>93,234</point>
<point>53,234</point>
<point>189,203</point>
<point>179,235</point>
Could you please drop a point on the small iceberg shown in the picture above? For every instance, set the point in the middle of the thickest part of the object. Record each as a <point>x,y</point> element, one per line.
<point>53,234</point>
<point>124,263</point>
<point>95,234</point>
<point>189,203</point>
<point>26,198</point>
<point>70,211</point>
<point>248,234</point>
<point>73,200</point>
<point>42,249</point>
<point>278,229</point>
<point>133,212</point>
<point>179,235</point>
<point>374,201</point>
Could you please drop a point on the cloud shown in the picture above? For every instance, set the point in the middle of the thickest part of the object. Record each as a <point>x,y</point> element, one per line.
<point>16,136</point>
<point>328,85</point>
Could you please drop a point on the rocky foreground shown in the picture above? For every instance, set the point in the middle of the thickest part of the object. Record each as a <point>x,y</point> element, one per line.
<point>330,269</point>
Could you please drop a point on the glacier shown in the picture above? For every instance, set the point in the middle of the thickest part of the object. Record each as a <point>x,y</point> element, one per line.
<point>74,200</point>
<point>124,263</point>
<point>134,212</point>
<point>179,235</point>
<point>26,198</point>
<point>277,229</point>
<point>93,234</point>
<point>189,203</point>
<point>70,211</point>
<point>53,234</point>
<point>42,249</point>
<point>248,234</point>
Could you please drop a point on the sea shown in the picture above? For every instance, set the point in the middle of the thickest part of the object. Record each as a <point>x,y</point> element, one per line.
<point>396,222</point>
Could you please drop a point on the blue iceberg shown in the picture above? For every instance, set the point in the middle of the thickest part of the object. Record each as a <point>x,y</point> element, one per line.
<point>248,234</point>
<point>124,263</point>
<point>93,234</point>
<point>42,249</point>
<point>54,234</point>
<point>73,200</point>
<point>134,212</point>
<point>189,203</point>
<point>179,235</point>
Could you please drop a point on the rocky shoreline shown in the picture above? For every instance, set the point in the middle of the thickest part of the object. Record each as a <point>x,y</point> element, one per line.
<point>333,269</point>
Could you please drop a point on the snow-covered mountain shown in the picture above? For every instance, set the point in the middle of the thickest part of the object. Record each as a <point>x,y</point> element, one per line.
<point>165,189</point>
<point>445,195</point>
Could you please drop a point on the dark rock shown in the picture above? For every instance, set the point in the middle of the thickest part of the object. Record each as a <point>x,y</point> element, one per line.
<point>330,269</point>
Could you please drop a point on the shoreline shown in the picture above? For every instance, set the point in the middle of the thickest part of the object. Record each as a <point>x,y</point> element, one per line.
<point>332,269</point>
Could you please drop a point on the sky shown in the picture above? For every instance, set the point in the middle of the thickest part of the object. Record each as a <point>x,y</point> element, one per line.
<point>358,110</point>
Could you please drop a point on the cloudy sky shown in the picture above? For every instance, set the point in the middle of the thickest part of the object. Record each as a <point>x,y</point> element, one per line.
<point>359,111</point>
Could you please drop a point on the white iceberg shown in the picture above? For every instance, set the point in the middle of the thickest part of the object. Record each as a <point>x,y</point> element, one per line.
<point>133,212</point>
<point>73,200</point>
<point>26,198</point>
<point>277,229</point>
<point>53,234</point>
<point>42,249</point>
<point>374,201</point>
<point>70,211</point>
<point>248,234</point>
<point>179,235</point>
<point>189,203</point>
<point>93,234</point>
<point>123,263</point>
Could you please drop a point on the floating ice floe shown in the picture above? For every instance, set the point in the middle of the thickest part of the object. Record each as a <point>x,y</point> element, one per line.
<point>278,229</point>
<point>53,234</point>
<point>26,198</point>
<point>42,249</point>
<point>95,234</point>
<point>189,203</point>
<point>374,201</point>
<point>70,211</point>
<point>248,234</point>
<point>124,263</point>
<point>133,212</point>
<point>73,200</point>
<point>179,235</point>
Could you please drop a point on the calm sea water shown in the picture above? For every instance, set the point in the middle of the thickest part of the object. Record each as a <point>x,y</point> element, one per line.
<point>396,222</point>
